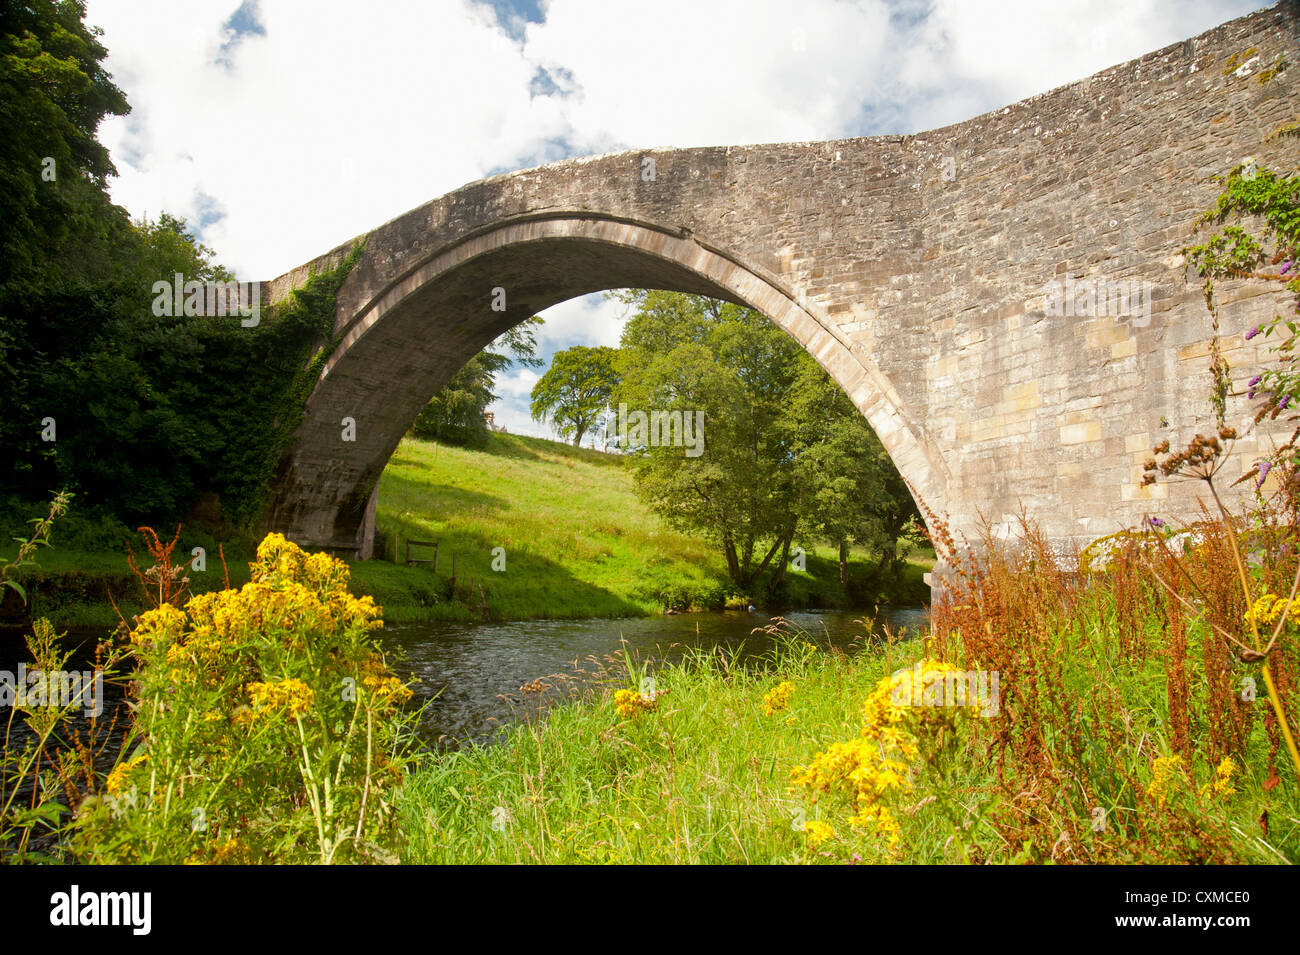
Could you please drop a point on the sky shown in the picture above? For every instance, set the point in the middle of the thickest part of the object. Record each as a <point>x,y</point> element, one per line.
<point>280,129</point>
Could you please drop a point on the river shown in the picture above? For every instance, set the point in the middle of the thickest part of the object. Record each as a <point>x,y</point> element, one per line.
<point>471,675</point>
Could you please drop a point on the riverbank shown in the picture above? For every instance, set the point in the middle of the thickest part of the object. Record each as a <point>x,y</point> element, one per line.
<point>537,530</point>
<point>794,762</point>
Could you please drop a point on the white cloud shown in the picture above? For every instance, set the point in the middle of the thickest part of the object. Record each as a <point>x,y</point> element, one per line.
<point>589,320</point>
<point>517,382</point>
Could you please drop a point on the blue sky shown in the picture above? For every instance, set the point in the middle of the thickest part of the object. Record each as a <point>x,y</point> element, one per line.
<point>281,129</point>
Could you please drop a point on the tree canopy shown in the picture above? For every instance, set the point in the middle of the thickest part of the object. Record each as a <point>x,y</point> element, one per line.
<point>575,391</point>
<point>784,450</point>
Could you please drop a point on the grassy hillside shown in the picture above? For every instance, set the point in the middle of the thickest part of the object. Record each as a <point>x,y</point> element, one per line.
<point>577,543</point>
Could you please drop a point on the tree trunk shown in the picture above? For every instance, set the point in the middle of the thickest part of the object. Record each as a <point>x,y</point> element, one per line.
<point>733,565</point>
<point>779,577</point>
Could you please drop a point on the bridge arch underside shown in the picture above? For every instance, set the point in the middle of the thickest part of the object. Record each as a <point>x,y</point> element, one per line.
<point>408,342</point>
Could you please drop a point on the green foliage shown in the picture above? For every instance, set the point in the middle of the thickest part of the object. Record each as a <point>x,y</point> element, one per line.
<point>576,390</point>
<point>784,450</point>
<point>54,92</point>
<point>1271,199</point>
<point>25,559</point>
<point>44,761</point>
<point>153,412</point>
<point>267,728</point>
<point>455,415</point>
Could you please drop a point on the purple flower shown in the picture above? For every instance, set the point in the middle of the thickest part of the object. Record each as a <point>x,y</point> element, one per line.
<point>1286,400</point>
<point>1252,333</point>
<point>1286,267</point>
<point>1254,381</point>
<point>1155,522</point>
<point>1264,468</point>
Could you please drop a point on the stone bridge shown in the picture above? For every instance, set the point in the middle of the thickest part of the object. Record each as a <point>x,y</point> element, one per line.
<point>924,273</point>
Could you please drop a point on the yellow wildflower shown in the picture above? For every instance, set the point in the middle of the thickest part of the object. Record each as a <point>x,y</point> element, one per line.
<point>1222,784</point>
<point>818,832</point>
<point>777,699</point>
<point>629,703</point>
<point>293,695</point>
<point>1266,610</point>
<point>387,688</point>
<point>116,781</point>
<point>1167,772</point>
<point>874,768</point>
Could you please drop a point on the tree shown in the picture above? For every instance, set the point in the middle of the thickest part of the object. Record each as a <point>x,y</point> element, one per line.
<point>785,451</point>
<point>54,92</point>
<point>847,488</point>
<point>575,392</point>
<point>730,368</point>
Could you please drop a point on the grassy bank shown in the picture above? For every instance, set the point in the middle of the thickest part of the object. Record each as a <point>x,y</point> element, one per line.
<point>1081,761</point>
<point>575,540</point>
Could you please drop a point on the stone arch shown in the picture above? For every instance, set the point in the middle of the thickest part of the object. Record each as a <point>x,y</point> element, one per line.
<point>406,341</point>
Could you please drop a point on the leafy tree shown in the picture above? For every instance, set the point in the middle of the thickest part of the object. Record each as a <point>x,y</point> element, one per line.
<point>847,488</point>
<point>150,412</point>
<point>785,451</point>
<point>54,92</point>
<point>690,354</point>
<point>575,392</point>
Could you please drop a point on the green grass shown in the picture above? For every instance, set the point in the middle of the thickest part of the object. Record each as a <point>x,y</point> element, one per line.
<point>577,543</point>
<point>704,778</point>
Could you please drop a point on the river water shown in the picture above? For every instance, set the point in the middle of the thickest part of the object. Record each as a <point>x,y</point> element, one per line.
<point>471,675</point>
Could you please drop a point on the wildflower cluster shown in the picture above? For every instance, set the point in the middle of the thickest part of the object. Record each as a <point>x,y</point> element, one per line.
<point>778,698</point>
<point>1167,777</point>
<point>292,696</point>
<point>630,703</point>
<point>1222,784</point>
<point>818,832</point>
<point>875,768</point>
<point>269,721</point>
<point>1269,608</point>
<point>122,773</point>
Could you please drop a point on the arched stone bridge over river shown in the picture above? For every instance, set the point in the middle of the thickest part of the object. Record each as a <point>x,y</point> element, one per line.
<point>1004,299</point>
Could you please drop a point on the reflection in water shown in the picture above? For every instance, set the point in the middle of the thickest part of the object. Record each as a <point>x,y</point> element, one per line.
<point>472,673</point>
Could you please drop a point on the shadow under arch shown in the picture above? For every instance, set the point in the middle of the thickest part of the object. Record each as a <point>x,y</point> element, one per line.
<point>407,341</point>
